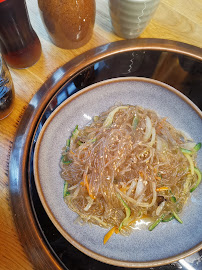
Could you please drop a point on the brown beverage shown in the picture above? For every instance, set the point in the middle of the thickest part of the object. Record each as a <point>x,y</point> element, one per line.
<point>19,43</point>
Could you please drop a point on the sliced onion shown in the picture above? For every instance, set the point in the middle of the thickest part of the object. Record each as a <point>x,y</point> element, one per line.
<point>73,187</point>
<point>142,204</point>
<point>159,145</point>
<point>153,134</point>
<point>108,121</point>
<point>132,186</point>
<point>141,197</point>
<point>188,145</point>
<point>139,188</point>
<point>160,208</point>
<point>76,192</point>
<point>148,130</point>
<point>90,202</point>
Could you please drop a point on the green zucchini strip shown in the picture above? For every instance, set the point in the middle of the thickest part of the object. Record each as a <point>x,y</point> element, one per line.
<point>186,151</point>
<point>177,217</point>
<point>64,161</point>
<point>127,209</point>
<point>168,218</point>
<point>196,170</point>
<point>65,189</point>
<point>197,147</point>
<point>135,122</point>
<point>153,225</point>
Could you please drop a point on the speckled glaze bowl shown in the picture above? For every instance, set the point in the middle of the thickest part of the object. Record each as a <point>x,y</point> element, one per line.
<point>170,241</point>
<point>130,17</point>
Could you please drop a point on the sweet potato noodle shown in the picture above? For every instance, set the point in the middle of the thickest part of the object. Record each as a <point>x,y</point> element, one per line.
<point>128,164</point>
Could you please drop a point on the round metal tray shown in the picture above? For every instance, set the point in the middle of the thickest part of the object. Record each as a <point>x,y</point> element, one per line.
<point>177,64</point>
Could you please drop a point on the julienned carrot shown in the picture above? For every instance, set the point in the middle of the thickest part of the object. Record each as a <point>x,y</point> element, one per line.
<point>163,188</point>
<point>72,152</point>
<point>87,185</point>
<point>109,234</point>
<point>124,189</point>
<point>158,178</point>
<point>141,174</point>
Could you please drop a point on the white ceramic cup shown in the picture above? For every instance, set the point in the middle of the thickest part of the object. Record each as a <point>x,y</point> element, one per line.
<point>130,17</point>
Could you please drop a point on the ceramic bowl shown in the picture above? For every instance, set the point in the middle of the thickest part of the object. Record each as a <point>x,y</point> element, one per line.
<point>170,241</point>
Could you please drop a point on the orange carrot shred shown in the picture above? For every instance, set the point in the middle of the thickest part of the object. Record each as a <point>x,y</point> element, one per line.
<point>162,188</point>
<point>141,175</point>
<point>109,234</point>
<point>123,189</point>
<point>72,152</point>
<point>87,185</point>
<point>158,178</point>
<point>144,216</point>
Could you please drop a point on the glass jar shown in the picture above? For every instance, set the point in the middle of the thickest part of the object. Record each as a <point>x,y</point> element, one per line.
<point>69,22</point>
<point>20,46</point>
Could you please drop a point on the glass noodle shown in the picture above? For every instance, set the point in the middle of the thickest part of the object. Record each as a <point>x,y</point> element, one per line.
<point>128,164</point>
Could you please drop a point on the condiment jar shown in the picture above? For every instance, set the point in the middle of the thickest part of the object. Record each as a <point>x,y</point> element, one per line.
<point>69,22</point>
<point>19,43</point>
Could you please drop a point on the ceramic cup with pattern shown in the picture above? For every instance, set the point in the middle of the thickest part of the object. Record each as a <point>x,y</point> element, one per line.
<point>130,17</point>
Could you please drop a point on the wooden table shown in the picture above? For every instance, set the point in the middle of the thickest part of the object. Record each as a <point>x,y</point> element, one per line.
<point>179,20</point>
